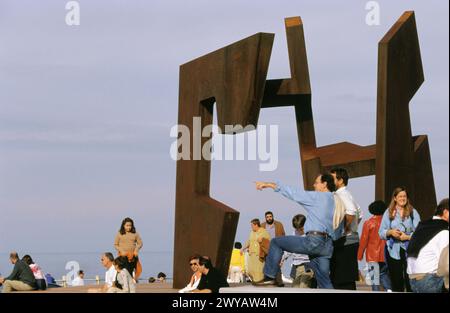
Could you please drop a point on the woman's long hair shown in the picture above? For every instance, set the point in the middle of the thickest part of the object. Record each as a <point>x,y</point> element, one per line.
<point>392,206</point>
<point>122,227</point>
<point>27,259</point>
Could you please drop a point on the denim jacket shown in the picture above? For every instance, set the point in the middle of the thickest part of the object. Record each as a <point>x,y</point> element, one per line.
<point>407,226</point>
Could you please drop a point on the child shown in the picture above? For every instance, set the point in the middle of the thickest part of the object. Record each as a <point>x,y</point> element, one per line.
<point>237,265</point>
<point>124,282</point>
<point>373,246</point>
<point>128,242</point>
<point>301,273</point>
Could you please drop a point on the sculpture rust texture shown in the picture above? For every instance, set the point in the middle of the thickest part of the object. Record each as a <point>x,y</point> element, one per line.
<point>234,78</point>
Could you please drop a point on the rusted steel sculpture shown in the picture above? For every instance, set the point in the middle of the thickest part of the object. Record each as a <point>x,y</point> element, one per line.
<point>401,160</point>
<point>234,78</point>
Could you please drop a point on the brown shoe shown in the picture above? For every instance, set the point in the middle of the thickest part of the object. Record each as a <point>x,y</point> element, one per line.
<point>267,281</point>
<point>279,280</point>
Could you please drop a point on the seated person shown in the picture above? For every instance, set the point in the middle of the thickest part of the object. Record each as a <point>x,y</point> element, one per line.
<point>212,279</point>
<point>21,278</point>
<point>51,282</point>
<point>195,279</point>
<point>107,260</point>
<point>124,282</point>
<point>79,280</point>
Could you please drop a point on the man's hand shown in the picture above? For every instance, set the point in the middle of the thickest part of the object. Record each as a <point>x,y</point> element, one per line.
<point>262,185</point>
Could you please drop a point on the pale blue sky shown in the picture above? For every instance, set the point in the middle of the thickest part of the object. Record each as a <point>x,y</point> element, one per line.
<point>85,112</point>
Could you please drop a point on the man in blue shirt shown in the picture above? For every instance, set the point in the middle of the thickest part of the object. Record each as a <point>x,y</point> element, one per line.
<point>318,242</point>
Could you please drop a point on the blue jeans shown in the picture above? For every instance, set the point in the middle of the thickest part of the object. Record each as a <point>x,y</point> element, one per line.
<point>431,283</point>
<point>379,274</point>
<point>319,249</point>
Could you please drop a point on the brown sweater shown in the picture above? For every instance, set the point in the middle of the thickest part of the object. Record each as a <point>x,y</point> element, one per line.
<point>130,242</point>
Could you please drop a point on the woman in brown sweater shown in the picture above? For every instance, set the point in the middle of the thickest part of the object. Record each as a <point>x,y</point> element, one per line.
<point>128,242</point>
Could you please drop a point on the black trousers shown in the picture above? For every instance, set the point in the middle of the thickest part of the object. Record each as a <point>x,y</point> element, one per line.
<point>344,265</point>
<point>397,272</point>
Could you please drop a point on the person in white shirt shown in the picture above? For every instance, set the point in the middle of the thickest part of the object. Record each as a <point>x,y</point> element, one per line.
<point>79,280</point>
<point>427,243</point>
<point>107,260</point>
<point>344,263</point>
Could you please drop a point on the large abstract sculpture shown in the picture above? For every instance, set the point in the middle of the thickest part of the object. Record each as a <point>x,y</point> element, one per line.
<point>234,78</point>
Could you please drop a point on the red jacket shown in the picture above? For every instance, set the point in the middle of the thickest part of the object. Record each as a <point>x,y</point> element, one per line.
<point>371,242</point>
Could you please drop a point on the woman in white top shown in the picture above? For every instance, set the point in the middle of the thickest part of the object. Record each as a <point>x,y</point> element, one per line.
<point>124,282</point>
<point>195,279</point>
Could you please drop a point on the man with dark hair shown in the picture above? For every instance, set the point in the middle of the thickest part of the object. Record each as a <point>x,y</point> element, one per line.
<point>21,278</point>
<point>273,227</point>
<point>424,250</point>
<point>317,243</point>
<point>212,279</point>
<point>344,263</point>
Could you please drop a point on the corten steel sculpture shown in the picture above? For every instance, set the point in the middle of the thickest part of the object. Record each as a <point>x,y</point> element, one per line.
<point>234,78</point>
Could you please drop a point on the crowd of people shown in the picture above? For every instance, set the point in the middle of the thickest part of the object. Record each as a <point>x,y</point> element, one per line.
<point>122,272</point>
<point>403,253</point>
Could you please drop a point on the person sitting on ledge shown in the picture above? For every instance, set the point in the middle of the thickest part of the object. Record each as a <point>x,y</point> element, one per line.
<point>124,282</point>
<point>212,279</point>
<point>318,242</point>
<point>21,278</point>
<point>195,279</point>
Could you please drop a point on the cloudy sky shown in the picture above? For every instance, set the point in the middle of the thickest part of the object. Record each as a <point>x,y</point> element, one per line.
<point>86,111</point>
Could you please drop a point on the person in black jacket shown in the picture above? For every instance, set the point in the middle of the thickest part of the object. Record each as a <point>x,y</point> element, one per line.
<point>21,278</point>
<point>212,279</point>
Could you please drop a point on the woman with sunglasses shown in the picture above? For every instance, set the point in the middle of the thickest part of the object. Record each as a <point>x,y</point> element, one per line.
<point>195,279</point>
<point>397,226</point>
